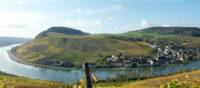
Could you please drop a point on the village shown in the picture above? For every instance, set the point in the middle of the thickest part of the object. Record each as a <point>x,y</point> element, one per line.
<point>165,52</point>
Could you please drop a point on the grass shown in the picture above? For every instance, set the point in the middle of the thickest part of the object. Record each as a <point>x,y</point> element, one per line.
<point>181,80</point>
<point>188,79</point>
<point>20,82</point>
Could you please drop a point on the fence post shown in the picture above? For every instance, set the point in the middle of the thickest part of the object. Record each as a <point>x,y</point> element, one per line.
<point>88,80</point>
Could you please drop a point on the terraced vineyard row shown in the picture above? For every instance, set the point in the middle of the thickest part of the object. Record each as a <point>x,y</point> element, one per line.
<point>17,82</point>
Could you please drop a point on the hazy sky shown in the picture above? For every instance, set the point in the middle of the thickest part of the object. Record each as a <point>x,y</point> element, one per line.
<point>26,18</point>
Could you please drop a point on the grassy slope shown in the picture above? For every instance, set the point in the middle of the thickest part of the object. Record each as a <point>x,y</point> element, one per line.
<point>12,81</point>
<point>79,49</point>
<point>191,78</point>
<point>20,82</point>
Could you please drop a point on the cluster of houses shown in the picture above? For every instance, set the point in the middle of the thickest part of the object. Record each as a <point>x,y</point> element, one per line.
<point>165,52</point>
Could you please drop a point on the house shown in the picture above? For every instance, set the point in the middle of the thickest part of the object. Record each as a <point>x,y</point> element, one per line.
<point>114,58</point>
<point>151,62</point>
<point>109,59</point>
<point>155,63</point>
<point>164,61</point>
<point>144,63</point>
<point>67,64</point>
<point>130,64</point>
<point>116,64</point>
<point>153,46</point>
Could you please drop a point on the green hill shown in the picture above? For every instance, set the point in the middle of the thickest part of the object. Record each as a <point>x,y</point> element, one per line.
<point>164,31</point>
<point>74,48</point>
<point>191,31</point>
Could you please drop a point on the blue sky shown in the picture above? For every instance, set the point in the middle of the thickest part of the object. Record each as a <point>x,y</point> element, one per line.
<point>26,18</point>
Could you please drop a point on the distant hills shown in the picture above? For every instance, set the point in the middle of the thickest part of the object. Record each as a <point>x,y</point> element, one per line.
<point>192,31</point>
<point>4,41</point>
<point>59,46</point>
<point>186,31</point>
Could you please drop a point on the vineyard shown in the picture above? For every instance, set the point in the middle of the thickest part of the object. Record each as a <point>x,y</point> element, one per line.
<point>183,80</point>
<point>18,82</point>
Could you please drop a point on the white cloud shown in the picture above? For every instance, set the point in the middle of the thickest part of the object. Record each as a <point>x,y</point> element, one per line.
<point>20,23</point>
<point>7,2</point>
<point>116,0</point>
<point>144,24</point>
<point>166,25</point>
<point>82,24</point>
<point>29,24</point>
<point>112,8</point>
<point>79,10</point>
<point>13,18</point>
<point>129,28</point>
<point>116,7</point>
<point>110,18</point>
<point>21,2</point>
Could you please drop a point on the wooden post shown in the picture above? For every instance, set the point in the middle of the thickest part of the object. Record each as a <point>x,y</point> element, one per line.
<point>88,80</point>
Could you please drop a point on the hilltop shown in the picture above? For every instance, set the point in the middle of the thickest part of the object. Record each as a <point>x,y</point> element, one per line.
<point>61,30</point>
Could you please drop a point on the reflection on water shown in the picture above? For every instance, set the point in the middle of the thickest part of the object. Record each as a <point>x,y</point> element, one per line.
<point>9,66</point>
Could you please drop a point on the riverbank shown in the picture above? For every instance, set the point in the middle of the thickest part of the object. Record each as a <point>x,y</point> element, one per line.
<point>16,59</point>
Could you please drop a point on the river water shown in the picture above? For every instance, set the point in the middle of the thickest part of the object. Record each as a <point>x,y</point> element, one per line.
<point>71,75</point>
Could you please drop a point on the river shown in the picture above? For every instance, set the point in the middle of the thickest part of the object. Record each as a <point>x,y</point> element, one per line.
<point>71,75</point>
